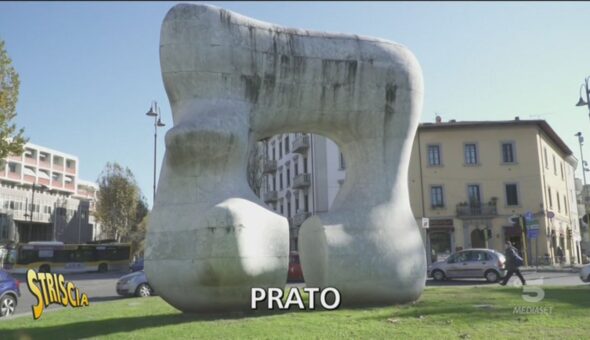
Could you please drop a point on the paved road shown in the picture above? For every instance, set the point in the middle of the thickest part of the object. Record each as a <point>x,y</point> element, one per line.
<point>101,286</point>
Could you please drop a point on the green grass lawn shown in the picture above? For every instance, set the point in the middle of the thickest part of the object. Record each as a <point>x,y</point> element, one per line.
<point>441,313</point>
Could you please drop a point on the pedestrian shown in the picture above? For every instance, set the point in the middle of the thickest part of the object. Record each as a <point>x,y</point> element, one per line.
<point>560,255</point>
<point>513,261</point>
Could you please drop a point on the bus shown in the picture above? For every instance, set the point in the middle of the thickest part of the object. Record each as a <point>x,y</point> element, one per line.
<point>52,256</point>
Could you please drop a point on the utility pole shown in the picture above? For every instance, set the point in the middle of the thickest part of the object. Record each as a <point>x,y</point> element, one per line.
<point>523,231</point>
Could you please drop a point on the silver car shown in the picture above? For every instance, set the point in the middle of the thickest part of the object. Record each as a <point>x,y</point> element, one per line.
<point>470,263</point>
<point>585,273</point>
<point>134,284</point>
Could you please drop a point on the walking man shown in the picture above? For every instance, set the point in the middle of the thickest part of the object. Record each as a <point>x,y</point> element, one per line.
<point>513,261</point>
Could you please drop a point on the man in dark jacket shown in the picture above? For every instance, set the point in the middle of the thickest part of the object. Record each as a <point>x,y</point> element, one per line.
<point>512,264</point>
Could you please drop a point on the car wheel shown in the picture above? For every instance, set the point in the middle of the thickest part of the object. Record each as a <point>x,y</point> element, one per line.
<point>103,268</point>
<point>44,269</point>
<point>143,290</point>
<point>438,275</point>
<point>7,305</point>
<point>492,276</point>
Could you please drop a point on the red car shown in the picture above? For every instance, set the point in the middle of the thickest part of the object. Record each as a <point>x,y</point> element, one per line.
<point>295,272</point>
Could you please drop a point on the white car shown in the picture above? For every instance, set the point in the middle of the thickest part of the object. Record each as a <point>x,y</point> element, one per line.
<point>585,273</point>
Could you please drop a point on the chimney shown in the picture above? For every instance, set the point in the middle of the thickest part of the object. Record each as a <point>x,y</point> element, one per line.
<point>517,118</point>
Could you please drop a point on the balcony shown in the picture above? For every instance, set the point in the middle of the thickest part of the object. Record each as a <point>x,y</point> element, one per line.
<point>476,211</point>
<point>300,217</point>
<point>269,166</point>
<point>301,181</point>
<point>270,196</point>
<point>300,144</point>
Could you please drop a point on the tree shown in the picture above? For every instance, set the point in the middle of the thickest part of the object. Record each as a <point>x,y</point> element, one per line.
<point>120,206</point>
<point>11,141</point>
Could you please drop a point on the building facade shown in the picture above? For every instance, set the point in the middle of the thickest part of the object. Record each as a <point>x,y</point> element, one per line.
<point>302,175</point>
<point>473,179</point>
<point>42,198</point>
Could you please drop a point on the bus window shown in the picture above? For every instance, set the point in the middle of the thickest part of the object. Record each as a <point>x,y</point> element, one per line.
<point>28,256</point>
<point>45,254</point>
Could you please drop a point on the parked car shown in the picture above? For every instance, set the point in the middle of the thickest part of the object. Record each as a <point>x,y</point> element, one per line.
<point>585,273</point>
<point>134,284</point>
<point>470,263</point>
<point>9,293</point>
<point>137,265</point>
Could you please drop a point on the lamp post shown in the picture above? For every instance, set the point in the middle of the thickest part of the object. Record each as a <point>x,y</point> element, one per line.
<point>581,101</point>
<point>581,142</point>
<point>154,111</point>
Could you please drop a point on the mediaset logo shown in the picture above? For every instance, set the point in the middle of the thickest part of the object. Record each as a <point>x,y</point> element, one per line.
<point>53,288</point>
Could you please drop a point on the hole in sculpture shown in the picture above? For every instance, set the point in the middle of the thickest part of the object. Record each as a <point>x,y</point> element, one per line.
<point>296,175</point>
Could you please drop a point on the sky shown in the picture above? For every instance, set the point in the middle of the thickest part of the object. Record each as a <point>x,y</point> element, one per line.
<point>89,71</point>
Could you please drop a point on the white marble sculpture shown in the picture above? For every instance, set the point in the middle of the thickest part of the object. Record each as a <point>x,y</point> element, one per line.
<point>233,80</point>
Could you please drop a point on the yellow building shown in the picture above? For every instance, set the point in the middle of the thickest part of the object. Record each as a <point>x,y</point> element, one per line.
<point>470,178</point>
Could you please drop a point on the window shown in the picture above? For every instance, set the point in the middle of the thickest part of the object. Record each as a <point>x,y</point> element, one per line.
<point>287,144</point>
<point>296,203</point>
<point>296,166</point>
<point>433,155</point>
<point>565,204</point>
<point>436,196</point>
<point>341,162</point>
<point>558,201</point>
<point>289,208</point>
<point>306,202</point>
<point>474,195</point>
<point>508,153</point>
<point>280,149</point>
<point>304,165</point>
<point>273,152</point>
<point>554,166</point>
<point>561,167</point>
<point>12,167</point>
<point>470,154</point>
<point>281,207</point>
<point>550,198</point>
<point>281,179</point>
<point>274,183</point>
<point>511,194</point>
<point>545,158</point>
<point>288,175</point>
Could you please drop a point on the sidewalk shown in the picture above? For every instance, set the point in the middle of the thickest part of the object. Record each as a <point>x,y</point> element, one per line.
<point>566,268</point>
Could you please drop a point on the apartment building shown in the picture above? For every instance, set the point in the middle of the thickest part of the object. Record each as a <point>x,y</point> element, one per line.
<point>470,178</point>
<point>302,175</point>
<point>42,198</point>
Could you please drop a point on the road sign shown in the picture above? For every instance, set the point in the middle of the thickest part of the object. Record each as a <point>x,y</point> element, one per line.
<point>532,233</point>
<point>425,222</point>
<point>529,216</point>
<point>532,225</point>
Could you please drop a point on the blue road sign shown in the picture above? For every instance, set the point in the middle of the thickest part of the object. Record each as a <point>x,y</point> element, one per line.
<point>529,216</point>
<point>532,233</point>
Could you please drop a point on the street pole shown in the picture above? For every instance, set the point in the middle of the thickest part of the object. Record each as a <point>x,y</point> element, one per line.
<point>154,111</point>
<point>524,249</point>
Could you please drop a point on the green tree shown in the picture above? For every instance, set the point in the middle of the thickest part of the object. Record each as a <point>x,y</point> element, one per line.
<point>120,206</point>
<point>11,141</point>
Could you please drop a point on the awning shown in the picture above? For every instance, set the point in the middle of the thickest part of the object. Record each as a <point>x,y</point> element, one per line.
<point>43,174</point>
<point>29,172</point>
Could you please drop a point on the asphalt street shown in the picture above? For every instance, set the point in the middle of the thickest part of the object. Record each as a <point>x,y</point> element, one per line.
<point>100,287</point>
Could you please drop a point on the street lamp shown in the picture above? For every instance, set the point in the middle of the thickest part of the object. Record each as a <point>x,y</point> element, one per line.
<point>154,111</point>
<point>584,169</point>
<point>581,101</point>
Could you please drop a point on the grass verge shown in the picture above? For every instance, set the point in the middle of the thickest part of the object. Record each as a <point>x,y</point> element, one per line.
<point>441,313</point>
